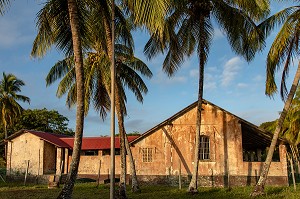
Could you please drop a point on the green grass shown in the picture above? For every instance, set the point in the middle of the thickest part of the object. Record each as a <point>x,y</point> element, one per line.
<point>89,190</point>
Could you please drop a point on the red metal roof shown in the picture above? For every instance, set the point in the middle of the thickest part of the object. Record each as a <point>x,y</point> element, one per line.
<point>51,138</point>
<point>63,141</point>
<point>91,143</point>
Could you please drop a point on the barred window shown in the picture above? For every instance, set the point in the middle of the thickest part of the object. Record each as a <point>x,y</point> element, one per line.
<point>147,154</point>
<point>204,148</point>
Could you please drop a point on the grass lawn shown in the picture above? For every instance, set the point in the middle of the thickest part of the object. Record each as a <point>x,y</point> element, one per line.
<point>89,190</point>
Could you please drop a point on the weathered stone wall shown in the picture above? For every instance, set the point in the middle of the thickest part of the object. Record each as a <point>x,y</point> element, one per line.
<point>90,165</point>
<point>26,147</point>
<point>173,146</point>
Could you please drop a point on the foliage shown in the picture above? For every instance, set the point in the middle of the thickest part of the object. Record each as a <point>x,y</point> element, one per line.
<point>10,86</point>
<point>42,120</point>
<point>291,125</point>
<point>284,49</point>
<point>90,190</point>
<point>130,134</point>
<point>269,126</point>
<point>189,30</point>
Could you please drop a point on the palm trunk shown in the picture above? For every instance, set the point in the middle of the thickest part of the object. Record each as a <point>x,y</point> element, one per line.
<point>193,184</point>
<point>112,118</point>
<point>5,129</point>
<point>259,188</point>
<point>4,122</point>
<point>122,189</point>
<point>135,185</point>
<point>72,175</point>
<point>296,151</point>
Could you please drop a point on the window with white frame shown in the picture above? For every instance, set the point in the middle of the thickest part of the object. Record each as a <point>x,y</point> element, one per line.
<point>147,154</point>
<point>204,148</point>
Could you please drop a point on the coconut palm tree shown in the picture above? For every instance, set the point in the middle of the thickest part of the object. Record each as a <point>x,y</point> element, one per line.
<point>49,34</point>
<point>281,54</point>
<point>61,23</point>
<point>97,68</point>
<point>10,86</point>
<point>189,28</point>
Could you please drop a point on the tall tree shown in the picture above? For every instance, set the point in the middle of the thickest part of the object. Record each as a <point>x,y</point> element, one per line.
<point>10,86</point>
<point>62,23</point>
<point>189,28</point>
<point>291,125</point>
<point>43,120</point>
<point>98,88</point>
<point>283,51</point>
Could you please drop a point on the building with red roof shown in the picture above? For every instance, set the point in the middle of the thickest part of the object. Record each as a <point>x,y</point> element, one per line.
<point>47,153</point>
<point>232,151</point>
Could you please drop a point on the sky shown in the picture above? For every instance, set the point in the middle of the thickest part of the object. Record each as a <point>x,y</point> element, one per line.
<point>230,82</point>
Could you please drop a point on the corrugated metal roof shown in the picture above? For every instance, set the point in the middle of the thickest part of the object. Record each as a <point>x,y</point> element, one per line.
<point>63,141</point>
<point>92,143</point>
<point>49,137</point>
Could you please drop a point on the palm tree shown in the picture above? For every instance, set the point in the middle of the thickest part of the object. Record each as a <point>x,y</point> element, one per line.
<point>189,28</point>
<point>283,50</point>
<point>62,23</point>
<point>97,85</point>
<point>97,74</point>
<point>10,86</point>
<point>292,121</point>
<point>147,14</point>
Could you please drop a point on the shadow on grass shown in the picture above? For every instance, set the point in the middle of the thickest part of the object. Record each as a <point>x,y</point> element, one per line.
<point>274,190</point>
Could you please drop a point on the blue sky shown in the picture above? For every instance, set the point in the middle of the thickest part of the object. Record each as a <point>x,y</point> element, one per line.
<point>230,82</point>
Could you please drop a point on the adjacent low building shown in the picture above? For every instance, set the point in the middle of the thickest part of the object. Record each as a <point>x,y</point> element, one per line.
<point>232,151</point>
<point>42,154</point>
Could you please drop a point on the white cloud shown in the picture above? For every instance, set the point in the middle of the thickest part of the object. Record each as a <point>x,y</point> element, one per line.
<point>194,73</point>
<point>242,85</point>
<point>210,81</point>
<point>210,85</point>
<point>212,69</point>
<point>258,78</point>
<point>231,69</point>
<point>162,78</point>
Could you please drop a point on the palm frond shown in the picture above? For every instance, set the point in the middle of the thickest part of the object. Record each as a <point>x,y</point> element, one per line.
<point>283,49</point>
<point>242,33</point>
<point>60,69</point>
<point>4,4</point>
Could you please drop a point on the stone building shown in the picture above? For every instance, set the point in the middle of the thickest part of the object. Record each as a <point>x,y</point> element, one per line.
<point>232,151</point>
<point>43,154</point>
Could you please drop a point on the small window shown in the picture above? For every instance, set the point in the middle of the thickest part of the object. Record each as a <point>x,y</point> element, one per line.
<point>147,154</point>
<point>204,148</point>
<point>107,152</point>
<point>89,153</point>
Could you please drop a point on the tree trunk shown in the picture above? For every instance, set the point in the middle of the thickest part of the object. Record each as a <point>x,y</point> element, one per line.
<point>193,184</point>
<point>134,184</point>
<point>259,188</point>
<point>292,170</point>
<point>72,175</point>
<point>5,129</point>
<point>4,122</point>
<point>122,187</point>
<point>112,99</point>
